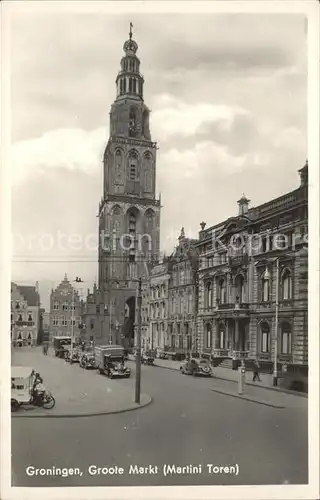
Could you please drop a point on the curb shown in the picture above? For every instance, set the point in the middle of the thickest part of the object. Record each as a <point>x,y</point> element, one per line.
<point>79,415</point>
<point>268,388</point>
<point>247,398</point>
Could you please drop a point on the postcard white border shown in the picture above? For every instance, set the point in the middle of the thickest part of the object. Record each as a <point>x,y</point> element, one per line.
<point>311,491</point>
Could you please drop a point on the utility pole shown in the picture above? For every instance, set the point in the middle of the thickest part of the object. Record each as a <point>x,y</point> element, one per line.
<point>275,363</point>
<point>77,280</point>
<point>138,353</point>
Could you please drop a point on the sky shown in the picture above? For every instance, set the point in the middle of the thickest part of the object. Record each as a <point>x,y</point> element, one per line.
<point>228,100</point>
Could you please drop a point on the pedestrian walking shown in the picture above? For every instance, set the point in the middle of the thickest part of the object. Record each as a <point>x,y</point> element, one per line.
<point>256,372</point>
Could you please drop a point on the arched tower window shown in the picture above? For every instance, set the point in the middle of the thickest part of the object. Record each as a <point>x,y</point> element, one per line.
<point>148,171</point>
<point>133,122</point>
<point>132,172</point>
<point>132,232</point>
<point>118,167</point>
<point>133,166</point>
<point>132,216</point>
<point>149,232</point>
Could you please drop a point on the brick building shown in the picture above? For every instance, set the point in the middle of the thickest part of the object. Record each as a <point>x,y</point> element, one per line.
<point>65,311</point>
<point>95,314</point>
<point>25,313</point>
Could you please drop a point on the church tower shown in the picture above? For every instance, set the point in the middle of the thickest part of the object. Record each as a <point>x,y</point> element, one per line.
<point>129,213</point>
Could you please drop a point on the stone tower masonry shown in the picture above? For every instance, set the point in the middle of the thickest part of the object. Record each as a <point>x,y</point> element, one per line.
<point>129,213</point>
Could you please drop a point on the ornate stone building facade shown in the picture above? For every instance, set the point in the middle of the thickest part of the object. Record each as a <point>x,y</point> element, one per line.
<point>158,305</point>
<point>169,301</point>
<point>65,311</point>
<point>129,213</point>
<point>183,297</point>
<point>25,315</point>
<point>253,280</point>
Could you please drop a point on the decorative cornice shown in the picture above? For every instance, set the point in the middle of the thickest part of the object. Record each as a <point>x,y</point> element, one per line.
<point>132,142</point>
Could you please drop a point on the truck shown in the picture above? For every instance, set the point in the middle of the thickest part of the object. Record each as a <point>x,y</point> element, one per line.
<point>110,361</point>
<point>61,345</point>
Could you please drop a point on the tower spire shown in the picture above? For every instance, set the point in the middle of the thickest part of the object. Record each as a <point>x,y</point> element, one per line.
<point>129,80</point>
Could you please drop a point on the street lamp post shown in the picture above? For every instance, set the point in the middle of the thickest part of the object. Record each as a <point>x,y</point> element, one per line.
<point>275,336</point>
<point>275,364</point>
<point>77,280</point>
<point>110,321</point>
<point>138,353</point>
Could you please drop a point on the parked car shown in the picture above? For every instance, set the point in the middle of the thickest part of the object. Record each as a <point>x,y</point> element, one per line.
<point>163,355</point>
<point>87,361</point>
<point>110,361</point>
<point>72,356</point>
<point>61,346</point>
<point>197,367</point>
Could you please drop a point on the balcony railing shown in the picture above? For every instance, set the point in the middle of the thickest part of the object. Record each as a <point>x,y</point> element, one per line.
<point>285,358</point>
<point>220,353</point>
<point>239,354</point>
<point>25,323</point>
<point>238,260</point>
<point>233,305</point>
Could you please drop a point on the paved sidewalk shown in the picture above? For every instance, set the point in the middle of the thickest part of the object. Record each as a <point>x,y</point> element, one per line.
<point>77,392</point>
<point>231,376</point>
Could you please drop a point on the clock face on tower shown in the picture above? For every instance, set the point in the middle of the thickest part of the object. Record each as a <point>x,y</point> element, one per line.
<point>132,126</point>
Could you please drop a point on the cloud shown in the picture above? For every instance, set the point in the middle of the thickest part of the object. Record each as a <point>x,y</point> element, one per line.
<point>175,117</point>
<point>228,100</point>
<point>71,149</point>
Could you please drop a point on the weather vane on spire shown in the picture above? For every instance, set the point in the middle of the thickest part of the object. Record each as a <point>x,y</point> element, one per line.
<point>130,32</point>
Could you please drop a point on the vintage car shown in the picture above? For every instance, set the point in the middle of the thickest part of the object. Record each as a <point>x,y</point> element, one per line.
<point>61,346</point>
<point>197,367</point>
<point>72,355</point>
<point>110,361</point>
<point>87,361</point>
<point>148,357</point>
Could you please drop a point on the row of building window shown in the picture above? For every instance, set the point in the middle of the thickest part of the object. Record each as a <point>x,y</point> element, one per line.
<point>66,306</point>
<point>65,322</point>
<point>157,292</point>
<point>257,244</point>
<point>22,317</point>
<point>264,336</point>
<point>182,277</point>
<point>179,328</point>
<point>158,310</point>
<point>24,335</point>
<point>264,289</point>
<point>183,342</point>
<point>180,304</point>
